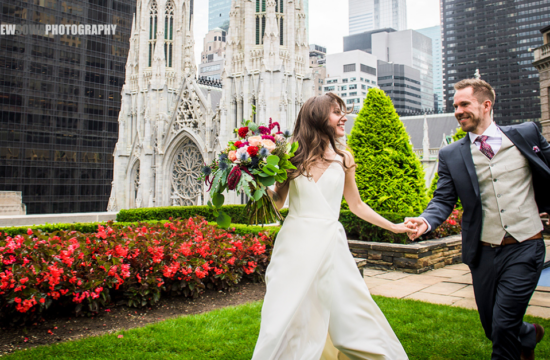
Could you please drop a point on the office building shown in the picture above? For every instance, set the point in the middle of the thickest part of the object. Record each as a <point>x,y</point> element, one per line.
<point>350,75</point>
<point>317,64</point>
<point>496,37</point>
<point>409,48</point>
<point>362,41</point>
<point>402,84</point>
<point>434,33</point>
<point>213,54</point>
<point>59,103</point>
<point>367,15</point>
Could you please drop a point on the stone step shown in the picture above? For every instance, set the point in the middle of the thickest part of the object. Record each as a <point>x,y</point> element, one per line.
<point>361,264</point>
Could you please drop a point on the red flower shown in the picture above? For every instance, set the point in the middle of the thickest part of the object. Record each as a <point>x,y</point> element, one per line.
<point>243,131</point>
<point>42,301</point>
<point>264,130</point>
<point>233,178</point>
<point>238,143</point>
<point>268,137</point>
<point>29,232</point>
<point>252,150</point>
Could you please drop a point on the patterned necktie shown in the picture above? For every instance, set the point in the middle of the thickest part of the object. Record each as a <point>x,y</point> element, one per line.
<point>485,148</point>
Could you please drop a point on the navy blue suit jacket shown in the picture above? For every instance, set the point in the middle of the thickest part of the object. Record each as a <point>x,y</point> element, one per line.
<point>458,179</point>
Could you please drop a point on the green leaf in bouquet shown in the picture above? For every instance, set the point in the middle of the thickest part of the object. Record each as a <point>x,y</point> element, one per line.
<point>273,160</point>
<point>294,147</point>
<point>281,177</point>
<point>253,126</point>
<point>209,203</point>
<point>223,220</point>
<point>218,176</point>
<point>244,184</point>
<point>270,170</point>
<point>217,200</point>
<point>258,194</point>
<point>266,181</point>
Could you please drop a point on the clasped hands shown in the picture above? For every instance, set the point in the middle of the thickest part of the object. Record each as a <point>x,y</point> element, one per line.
<point>417,226</point>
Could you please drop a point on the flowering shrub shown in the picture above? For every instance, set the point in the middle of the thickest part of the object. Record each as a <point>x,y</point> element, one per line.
<point>134,265</point>
<point>451,226</point>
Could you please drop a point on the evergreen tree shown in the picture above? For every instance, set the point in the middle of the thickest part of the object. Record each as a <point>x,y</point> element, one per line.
<point>389,175</point>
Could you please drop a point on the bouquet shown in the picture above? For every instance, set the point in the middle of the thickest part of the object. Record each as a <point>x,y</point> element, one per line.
<point>258,159</point>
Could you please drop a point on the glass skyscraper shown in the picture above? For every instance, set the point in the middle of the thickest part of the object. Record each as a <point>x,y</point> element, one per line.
<point>59,103</point>
<point>496,37</point>
<point>367,15</point>
<point>434,33</point>
<point>218,14</point>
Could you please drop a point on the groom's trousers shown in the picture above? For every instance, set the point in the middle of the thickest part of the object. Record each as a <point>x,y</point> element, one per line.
<point>504,281</point>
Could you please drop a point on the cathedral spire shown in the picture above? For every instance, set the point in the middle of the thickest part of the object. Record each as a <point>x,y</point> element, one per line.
<point>271,38</point>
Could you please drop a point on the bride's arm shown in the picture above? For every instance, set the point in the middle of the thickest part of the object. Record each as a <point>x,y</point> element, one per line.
<point>279,195</point>
<point>359,208</point>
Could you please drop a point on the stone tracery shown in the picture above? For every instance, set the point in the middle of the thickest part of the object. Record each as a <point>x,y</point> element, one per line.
<point>186,189</point>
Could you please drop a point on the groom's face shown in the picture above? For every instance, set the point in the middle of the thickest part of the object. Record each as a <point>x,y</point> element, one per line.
<point>468,110</point>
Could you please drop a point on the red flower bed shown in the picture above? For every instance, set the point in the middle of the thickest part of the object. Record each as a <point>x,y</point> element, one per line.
<point>132,265</point>
<point>451,226</point>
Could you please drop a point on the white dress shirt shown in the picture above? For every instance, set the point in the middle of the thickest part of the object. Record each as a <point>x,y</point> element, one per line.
<point>494,140</point>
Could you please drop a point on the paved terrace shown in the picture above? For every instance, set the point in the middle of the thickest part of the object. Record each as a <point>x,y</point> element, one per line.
<point>451,285</point>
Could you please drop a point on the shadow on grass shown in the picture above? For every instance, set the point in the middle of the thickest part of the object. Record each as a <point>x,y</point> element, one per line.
<point>427,332</point>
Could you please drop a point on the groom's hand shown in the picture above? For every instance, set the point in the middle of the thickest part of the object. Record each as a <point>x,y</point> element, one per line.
<point>421,227</point>
<point>547,219</point>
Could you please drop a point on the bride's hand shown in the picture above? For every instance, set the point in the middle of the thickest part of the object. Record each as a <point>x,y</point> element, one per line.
<point>402,228</point>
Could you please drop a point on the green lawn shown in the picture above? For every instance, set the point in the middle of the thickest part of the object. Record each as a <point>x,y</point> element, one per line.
<point>426,331</point>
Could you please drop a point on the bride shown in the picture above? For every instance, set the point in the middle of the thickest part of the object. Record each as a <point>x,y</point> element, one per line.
<point>317,305</point>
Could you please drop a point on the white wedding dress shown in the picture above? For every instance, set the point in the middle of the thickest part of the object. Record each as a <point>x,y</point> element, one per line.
<point>314,288</point>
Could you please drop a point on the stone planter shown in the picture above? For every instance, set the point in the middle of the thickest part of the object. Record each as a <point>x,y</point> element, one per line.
<point>414,258</point>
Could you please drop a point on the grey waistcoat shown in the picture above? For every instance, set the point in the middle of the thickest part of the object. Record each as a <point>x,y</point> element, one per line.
<point>507,195</point>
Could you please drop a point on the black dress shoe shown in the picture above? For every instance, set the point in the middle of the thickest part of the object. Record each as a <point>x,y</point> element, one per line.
<point>530,354</point>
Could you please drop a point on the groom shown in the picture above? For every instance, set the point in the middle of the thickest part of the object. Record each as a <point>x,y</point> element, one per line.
<point>501,175</point>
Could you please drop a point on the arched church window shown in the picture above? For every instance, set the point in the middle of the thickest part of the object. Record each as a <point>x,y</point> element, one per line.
<point>281,29</point>
<point>168,33</point>
<point>153,21</point>
<point>186,169</point>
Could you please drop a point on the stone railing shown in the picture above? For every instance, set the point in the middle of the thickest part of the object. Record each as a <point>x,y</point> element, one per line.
<point>542,52</point>
<point>412,258</point>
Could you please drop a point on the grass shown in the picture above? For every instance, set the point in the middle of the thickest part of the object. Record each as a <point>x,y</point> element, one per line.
<point>427,332</point>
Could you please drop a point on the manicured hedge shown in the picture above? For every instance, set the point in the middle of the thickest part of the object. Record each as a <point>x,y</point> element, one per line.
<point>358,229</point>
<point>92,227</point>
<point>236,212</point>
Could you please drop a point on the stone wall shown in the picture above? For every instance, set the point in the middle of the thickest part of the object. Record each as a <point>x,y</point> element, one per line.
<point>412,258</point>
<point>11,203</point>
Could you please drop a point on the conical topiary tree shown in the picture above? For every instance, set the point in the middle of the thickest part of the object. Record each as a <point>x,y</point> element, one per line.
<point>389,175</point>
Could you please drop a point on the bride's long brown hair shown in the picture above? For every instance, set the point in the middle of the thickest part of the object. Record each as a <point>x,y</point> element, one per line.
<point>311,131</point>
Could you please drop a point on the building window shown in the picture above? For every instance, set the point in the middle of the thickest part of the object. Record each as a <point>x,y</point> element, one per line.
<point>353,86</point>
<point>260,21</point>
<point>343,95</point>
<point>343,87</point>
<point>354,93</point>
<point>368,69</point>
<point>153,20</point>
<point>349,68</point>
<point>353,79</point>
<point>329,88</point>
<point>168,33</point>
<point>344,80</point>
<point>363,87</point>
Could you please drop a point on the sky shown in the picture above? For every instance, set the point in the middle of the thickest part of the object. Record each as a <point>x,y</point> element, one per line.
<point>328,22</point>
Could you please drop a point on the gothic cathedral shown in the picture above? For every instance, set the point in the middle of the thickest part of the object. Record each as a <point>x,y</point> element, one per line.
<point>266,64</point>
<point>170,124</point>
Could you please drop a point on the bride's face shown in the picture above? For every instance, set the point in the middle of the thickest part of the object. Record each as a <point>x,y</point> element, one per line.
<point>337,120</point>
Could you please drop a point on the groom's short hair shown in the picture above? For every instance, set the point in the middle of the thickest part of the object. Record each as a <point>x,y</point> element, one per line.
<point>482,90</point>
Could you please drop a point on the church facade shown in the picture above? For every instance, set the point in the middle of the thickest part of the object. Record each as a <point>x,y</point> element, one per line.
<point>266,64</point>
<point>168,124</point>
<point>171,124</point>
